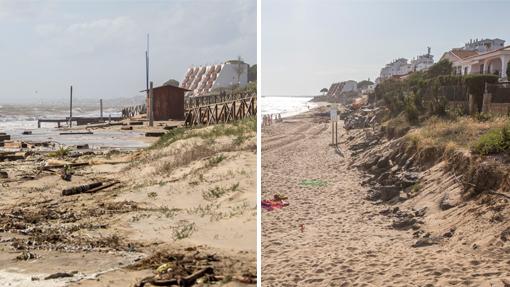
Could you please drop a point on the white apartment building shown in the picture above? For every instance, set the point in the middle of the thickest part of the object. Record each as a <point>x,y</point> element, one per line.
<point>202,80</point>
<point>401,66</point>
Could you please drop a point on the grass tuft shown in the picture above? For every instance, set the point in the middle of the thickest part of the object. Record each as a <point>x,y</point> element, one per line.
<point>493,142</point>
<point>237,129</point>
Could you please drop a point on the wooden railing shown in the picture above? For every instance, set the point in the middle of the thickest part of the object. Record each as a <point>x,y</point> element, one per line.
<point>194,102</point>
<point>221,112</point>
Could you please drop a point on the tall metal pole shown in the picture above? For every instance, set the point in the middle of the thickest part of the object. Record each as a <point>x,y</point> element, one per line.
<point>101,108</point>
<point>147,65</point>
<point>71,107</point>
<point>149,109</point>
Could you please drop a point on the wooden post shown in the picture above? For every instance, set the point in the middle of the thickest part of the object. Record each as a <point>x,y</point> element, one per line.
<point>101,108</point>
<point>151,105</point>
<point>71,107</point>
<point>336,132</point>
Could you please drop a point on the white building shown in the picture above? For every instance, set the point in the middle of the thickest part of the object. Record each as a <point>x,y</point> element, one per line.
<point>484,45</point>
<point>368,90</point>
<point>202,80</point>
<point>480,57</point>
<point>337,89</point>
<point>401,66</point>
<point>397,67</point>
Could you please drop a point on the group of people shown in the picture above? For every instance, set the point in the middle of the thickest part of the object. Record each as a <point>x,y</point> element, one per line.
<point>267,120</point>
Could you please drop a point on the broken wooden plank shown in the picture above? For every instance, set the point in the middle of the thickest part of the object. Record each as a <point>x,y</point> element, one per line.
<point>14,144</point>
<point>104,186</point>
<point>81,188</point>
<point>170,127</point>
<point>5,137</point>
<point>76,133</point>
<point>154,134</point>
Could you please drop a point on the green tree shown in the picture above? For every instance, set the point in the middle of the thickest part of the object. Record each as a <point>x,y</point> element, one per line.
<point>443,67</point>
<point>171,82</point>
<point>324,91</point>
<point>363,84</point>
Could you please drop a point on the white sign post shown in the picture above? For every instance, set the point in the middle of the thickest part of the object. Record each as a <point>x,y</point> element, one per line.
<point>334,120</point>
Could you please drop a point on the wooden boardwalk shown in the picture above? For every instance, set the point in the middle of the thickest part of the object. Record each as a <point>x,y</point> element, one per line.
<point>78,120</point>
<point>221,112</point>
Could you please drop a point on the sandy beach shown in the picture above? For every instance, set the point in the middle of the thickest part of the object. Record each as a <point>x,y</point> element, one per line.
<point>189,200</point>
<point>330,235</point>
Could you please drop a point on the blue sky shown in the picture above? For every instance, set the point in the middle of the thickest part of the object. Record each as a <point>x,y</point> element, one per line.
<point>308,44</point>
<point>99,46</point>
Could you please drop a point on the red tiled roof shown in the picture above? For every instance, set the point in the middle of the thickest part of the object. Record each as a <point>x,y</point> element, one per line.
<point>463,54</point>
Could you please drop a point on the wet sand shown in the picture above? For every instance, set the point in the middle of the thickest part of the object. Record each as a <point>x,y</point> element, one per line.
<point>332,236</point>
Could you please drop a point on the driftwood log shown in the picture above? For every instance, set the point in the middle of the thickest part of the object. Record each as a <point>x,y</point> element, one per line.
<point>81,188</point>
<point>75,164</point>
<point>88,188</point>
<point>185,282</point>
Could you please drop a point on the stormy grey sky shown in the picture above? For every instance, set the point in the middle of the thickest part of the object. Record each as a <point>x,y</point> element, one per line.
<point>99,46</point>
<point>308,44</point>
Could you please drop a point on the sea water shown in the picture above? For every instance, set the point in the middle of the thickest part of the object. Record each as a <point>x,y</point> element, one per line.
<point>14,119</point>
<point>286,106</point>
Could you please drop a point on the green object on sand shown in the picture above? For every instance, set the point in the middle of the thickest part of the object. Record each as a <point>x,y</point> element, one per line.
<point>313,182</point>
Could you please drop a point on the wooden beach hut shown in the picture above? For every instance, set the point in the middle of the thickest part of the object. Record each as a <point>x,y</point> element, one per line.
<point>168,103</point>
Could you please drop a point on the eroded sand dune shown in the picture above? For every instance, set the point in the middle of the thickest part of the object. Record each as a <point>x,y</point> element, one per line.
<point>332,236</point>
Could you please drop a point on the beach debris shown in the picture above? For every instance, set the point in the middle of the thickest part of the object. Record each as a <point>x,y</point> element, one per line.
<point>67,173</point>
<point>12,144</point>
<point>76,133</point>
<point>313,183</point>
<point>26,133</point>
<point>60,275</point>
<point>26,255</point>
<point>126,128</point>
<point>191,268</point>
<point>168,128</point>
<point>278,201</point>
<point>4,136</point>
<point>81,188</point>
<point>155,134</point>
<point>50,166</point>
<point>12,156</point>
<point>426,241</point>
<point>4,174</point>
<point>302,228</point>
<point>166,267</point>
<point>82,146</point>
<point>383,193</point>
<point>88,188</point>
<point>135,123</point>
<point>184,281</point>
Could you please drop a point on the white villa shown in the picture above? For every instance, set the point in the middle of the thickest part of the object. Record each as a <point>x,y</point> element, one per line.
<point>401,66</point>
<point>202,80</point>
<point>486,56</point>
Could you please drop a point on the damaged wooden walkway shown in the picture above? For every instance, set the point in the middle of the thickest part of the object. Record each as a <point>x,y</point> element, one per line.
<point>222,112</point>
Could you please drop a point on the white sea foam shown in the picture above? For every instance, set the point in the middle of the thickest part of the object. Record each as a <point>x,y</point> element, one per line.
<point>14,119</point>
<point>286,106</point>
